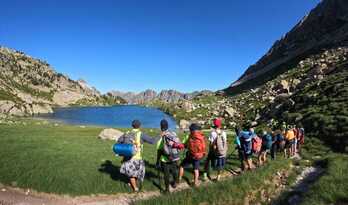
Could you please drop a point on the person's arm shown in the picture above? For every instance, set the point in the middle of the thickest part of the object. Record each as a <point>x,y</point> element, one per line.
<point>150,140</point>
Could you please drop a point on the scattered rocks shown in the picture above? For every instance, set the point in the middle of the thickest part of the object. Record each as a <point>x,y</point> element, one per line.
<point>110,134</point>
<point>184,124</point>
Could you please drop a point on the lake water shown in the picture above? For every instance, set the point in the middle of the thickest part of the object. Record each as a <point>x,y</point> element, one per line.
<point>116,116</point>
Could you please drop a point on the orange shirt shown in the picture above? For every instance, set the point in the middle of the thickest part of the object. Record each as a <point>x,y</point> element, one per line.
<point>290,135</point>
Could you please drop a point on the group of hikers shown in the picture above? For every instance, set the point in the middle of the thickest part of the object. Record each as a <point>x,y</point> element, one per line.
<point>211,151</point>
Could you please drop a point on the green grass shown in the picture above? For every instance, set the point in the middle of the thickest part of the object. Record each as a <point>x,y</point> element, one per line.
<point>231,191</point>
<point>66,159</point>
<point>332,187</point>
<point>63,159</point>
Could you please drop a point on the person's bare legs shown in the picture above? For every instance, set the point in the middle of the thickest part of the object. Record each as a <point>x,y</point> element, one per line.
<point>133,182</point>
<point>260,158</point>
<point>264,157</point>
<point>250,164</point>
<point>181,173</point>
<point>196,176</point>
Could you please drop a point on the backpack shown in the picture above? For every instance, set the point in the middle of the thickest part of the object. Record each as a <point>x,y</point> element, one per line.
<point>169,140</point>
<point>221,145</point>
<point>196,146</point>
<point>127,138</point>
<point>300,135</point>
<point>267,141</point>
<point>124,145</point>
<point>256,144</point>
<point>245,141</point>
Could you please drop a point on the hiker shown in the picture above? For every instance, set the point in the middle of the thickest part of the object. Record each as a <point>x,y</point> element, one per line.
<point>266,147</point>
<point>195,144</point>
<point>168,155</point>
<point>277,144</point>
<point>300,137</point>
<point>245,138</point>
<point>239,148</point>
<point>217,150</point>
<point>256,142</point>
<point>290,141</point>
<point>134,166</point>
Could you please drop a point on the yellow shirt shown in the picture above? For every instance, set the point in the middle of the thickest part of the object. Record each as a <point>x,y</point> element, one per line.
<point>290,135</point>
<point>138,146</point>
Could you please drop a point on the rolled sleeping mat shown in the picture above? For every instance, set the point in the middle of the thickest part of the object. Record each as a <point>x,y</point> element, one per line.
<point>125,150</point>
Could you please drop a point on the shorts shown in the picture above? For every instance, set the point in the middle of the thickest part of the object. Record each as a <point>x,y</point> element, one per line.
<point>247,155</point>
<point>289,143</point>
<point>189,160</point>
<point>220,163</point>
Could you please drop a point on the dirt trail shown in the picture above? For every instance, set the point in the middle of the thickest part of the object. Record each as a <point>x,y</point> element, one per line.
<point>15,196</point>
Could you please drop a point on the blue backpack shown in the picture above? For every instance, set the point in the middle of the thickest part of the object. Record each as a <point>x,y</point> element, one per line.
<point>246,142</point>
<point>267,141</point>
<point>280,138</point>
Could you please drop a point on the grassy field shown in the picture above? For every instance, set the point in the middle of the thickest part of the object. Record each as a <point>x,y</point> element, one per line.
<point>71,160</point>
<point>62,159</point>
<point>67,159</point>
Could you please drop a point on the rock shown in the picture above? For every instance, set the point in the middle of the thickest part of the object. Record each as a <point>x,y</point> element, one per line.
<point>184,124</point>
<point>110,134</point>
<point>16,112</point>
<point>282,87</point>
<point>253,124</point>
<point>230,111</point>
<point>187,106</point>
<point>6,106</point>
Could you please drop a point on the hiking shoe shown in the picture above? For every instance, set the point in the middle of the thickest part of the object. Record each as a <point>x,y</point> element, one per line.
<point>174,185</point>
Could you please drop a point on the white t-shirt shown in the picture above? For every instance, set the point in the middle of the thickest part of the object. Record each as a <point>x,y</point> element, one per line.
<point>214,134</point>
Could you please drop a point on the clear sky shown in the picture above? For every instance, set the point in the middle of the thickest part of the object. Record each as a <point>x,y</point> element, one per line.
<point>132,45</point>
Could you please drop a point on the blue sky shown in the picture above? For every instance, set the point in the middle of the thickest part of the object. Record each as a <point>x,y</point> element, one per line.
<point>133,45</point>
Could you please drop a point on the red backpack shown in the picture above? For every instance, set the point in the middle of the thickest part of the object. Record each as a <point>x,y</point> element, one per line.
<point>300,135</point>
<point>196,145</point>
<point>256,144</point>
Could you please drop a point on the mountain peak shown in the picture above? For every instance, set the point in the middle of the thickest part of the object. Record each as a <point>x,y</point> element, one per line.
<point>326,26</point>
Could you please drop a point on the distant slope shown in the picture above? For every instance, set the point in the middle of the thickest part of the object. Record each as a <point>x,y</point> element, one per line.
<point>167,96</point>
<point>325,27</point>
<point>29,86</point>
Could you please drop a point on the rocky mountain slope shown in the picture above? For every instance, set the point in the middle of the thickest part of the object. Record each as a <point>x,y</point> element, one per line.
<point>30,86</point>
<point>147,96</point>
<point>301,80</point>
<point>324,27</point>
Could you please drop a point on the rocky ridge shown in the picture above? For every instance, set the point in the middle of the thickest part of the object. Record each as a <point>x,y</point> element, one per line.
<point>324,27</point>
<point>147,96</point>
<point>31,86</point>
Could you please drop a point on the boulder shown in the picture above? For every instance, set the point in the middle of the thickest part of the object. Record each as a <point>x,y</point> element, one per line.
<point>282,87</point>
<point>184,124</point>
<point>110,134</point>
<point>230,111</point>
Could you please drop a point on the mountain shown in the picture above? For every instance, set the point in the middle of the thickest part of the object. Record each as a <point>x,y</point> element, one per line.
<point>325,27</point>
<point>167,96</point>
<point>31,86</point>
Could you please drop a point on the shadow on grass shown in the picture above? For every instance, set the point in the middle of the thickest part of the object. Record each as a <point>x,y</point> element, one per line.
<point>114,171</point>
